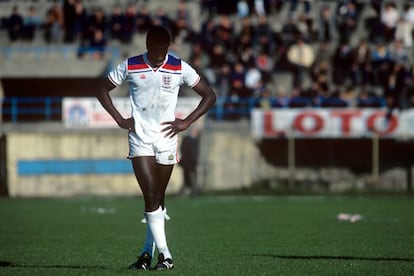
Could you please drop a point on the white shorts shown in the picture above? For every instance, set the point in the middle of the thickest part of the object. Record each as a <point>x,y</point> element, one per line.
<point>164,149</point>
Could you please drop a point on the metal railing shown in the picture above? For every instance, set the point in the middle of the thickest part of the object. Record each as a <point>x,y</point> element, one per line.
<point>20,109</point>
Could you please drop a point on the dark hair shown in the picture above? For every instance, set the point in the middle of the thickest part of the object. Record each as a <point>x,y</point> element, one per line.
<point>158,35</point>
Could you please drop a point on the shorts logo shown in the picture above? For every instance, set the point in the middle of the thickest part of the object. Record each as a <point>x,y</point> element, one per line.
<point>171,157</point>
<point>166,82</point>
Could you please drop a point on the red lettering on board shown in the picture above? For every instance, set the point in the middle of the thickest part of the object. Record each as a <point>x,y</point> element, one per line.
<point>268,128</point>
<point>391,125</point>
<point>298,123</point>
<point>346,117</point>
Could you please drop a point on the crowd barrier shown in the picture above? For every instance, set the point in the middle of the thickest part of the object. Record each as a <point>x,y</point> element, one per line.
<point>22,109</point>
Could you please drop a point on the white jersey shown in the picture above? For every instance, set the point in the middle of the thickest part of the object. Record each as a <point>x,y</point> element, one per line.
<point>153,92</point>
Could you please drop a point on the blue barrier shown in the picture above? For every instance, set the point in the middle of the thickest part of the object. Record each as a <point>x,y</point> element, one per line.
<point>20,109</point>
<point>47,107</point>
<point>85,166</point>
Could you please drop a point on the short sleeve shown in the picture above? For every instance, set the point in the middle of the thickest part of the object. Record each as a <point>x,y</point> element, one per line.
<point>118,74</point>
<point>190,76</point>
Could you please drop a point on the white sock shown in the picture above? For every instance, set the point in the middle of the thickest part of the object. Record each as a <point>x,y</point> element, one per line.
<point>156,221</point>
<point>149,245</point>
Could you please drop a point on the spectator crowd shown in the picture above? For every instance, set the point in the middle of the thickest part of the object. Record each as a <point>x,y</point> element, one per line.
<point>238,50</point>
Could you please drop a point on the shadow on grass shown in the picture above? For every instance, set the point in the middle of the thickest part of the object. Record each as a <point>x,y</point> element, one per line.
<point>10,264</point>
<point>345,258</point>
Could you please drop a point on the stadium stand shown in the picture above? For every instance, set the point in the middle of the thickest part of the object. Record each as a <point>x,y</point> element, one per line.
<point>82,57</point>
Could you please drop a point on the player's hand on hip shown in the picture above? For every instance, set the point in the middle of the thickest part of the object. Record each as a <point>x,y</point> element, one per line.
<point>174,127</point>
<point>127,124</point>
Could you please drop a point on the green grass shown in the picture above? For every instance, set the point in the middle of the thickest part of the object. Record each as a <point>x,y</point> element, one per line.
<point>211,235</point>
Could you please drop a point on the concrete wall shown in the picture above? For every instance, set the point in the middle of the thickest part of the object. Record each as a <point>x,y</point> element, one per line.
<point>229,159</point>
<point>40,146</point>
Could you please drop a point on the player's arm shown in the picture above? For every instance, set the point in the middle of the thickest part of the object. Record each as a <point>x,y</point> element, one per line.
<point>208,99</point>
<point>106,101</point>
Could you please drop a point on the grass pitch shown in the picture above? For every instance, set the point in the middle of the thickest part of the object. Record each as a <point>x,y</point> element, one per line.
<point>211,235</point>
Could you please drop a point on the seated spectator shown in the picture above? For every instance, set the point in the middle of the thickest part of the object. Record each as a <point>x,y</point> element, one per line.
<point>297,99</point>
<point>206,37</point>
<point>394,86</point>
<point>381,62</point>
<point>253,81</point>
<point>53,26</point>
<point>301,57</point>
<point>97,21</point>
<point>31,23</point>
<point>130,17</point>
<point>334,100</point>
<point>243,9</point>
<point>15,25</point>
<point>237,81</point>
<point>266,102</point>
<point>161,18</point>
<point>326,25</point>
<point>289,32</point>
<point>282,98</point>
<point>217,56</point>
<point>368,99</point>
<point>218,68</point>
<point>97,45</point>
<point>116,24</point>
<point>342,59</point>
<point>238,95</point>
<point>224,32</point>
<point>259,7</point>
<point>408,13</point>
<point>321,70</point>
<point>347,19</point>
<point>198,57</point>
<point>75,17</point>
<point>361,69</point>
<point>80,21</point>
<point>265,64</point>
<point>183,20</point>
<point>404,32</point>
<point>263,39</point>
<point>398,53</point>
<point>348,94</point>
<point>310,91</point>
<point>305,26</point>
<point>244,38</point>
<point>389,19</point>
<point>143,19</point>
<point>318,93</point>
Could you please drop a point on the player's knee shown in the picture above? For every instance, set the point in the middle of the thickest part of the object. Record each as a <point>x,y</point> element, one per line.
<point>151,201</point>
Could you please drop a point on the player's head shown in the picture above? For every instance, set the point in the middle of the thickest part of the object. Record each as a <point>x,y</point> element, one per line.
<point>158,40</point>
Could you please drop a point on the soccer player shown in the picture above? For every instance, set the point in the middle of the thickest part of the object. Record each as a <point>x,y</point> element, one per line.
<point>154,79</point>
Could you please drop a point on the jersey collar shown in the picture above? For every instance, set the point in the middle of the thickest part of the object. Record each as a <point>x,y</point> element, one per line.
<point>150,65</point>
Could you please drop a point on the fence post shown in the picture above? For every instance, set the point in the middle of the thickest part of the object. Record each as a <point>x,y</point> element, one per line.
<point>291,158</point>
<point>3,166</point>
<point>14,109</point>
<point>375,159</point>
<point>48,108</point>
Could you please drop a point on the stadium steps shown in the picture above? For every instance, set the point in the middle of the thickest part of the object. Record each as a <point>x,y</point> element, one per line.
<point>51,67</point>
